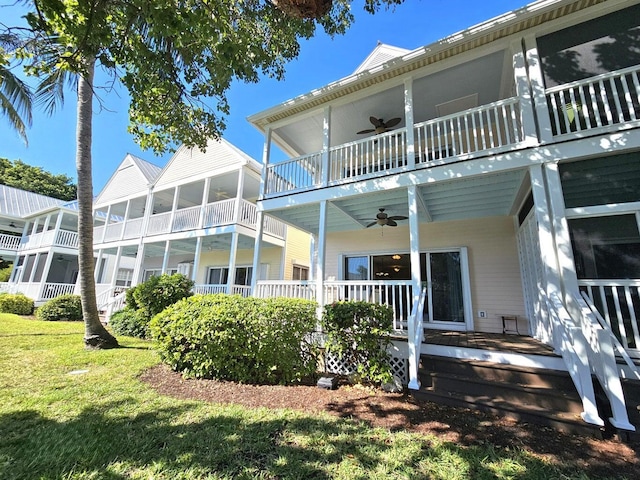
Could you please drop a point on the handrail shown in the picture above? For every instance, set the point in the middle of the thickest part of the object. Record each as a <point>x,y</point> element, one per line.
<point>616,343</point>
<point>416,335</point>
<point>573,347</point>
<point>603,363</point>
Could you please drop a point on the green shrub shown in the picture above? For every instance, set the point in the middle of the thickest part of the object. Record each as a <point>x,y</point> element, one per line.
<point>5,273</point>
<point>229,337</point>
<point>64,307</point>
<point>358,333</point>
<point>130,322</point>
<point>157,293</point>
<point>16,303</point>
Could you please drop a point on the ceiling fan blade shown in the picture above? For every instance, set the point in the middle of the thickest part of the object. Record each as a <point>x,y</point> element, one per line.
<point>372,224</point>
<point>376,122</point>
<point>393,122</point>
<point>368,130</point>
<point>398,217</point>
<point>391,223</point>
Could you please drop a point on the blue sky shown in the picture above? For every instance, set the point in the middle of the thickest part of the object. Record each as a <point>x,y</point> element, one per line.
<point>321,61</point>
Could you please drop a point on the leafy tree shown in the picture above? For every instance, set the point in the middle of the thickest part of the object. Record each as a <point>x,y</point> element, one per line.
<point>15,95</point>
<point>34,179</point>
<point>177,59</point>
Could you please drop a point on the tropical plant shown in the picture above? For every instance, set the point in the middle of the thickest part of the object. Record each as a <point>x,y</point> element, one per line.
<point>16,303</point>
<point>15,95</point>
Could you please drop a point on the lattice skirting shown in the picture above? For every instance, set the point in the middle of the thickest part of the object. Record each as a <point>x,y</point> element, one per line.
<point>335,365</point>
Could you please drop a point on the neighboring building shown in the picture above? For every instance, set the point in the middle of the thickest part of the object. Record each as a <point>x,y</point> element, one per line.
<point>40,236</point>
<point>197,216</point>
<point>509,154</point>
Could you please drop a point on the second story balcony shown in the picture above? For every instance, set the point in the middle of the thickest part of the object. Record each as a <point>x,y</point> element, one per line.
<point>51,238</point>
<point>9,243</point>
<point>603,103</point>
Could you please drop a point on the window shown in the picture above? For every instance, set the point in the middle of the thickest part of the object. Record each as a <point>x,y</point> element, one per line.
<point>300,273</point>
<point>220,275</point>
<point>150,273</point>
<point>124,277</point>
<point>606,247</point>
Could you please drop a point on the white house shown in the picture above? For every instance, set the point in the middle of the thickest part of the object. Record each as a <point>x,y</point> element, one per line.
<point>497,170</point>
<point>40,238</point>
<point>196,216</point>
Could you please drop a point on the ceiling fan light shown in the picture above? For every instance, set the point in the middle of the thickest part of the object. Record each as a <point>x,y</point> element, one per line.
<point>396,257</point>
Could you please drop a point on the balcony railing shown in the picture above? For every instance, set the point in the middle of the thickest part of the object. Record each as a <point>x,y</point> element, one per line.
<point>602,101</point>
<point>61,238</point>
<point>489,128</point>
<point>133,228</point>
<point>243,290</point>
<point>618,301</point>
<point>219,213</point>
<point>396,294</point>
<point>53,290</point>
<point>9,242</point>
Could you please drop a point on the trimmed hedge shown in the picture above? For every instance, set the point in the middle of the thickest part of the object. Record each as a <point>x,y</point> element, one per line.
<point>246,340</point>
<point>16,303</point>
<point>130,322</point>
<point>64,307</point>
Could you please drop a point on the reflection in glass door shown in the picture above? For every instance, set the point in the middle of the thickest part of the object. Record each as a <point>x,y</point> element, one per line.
<point>443,274</point>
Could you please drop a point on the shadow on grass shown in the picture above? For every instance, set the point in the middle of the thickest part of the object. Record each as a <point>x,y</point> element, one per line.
<point>100,443</point>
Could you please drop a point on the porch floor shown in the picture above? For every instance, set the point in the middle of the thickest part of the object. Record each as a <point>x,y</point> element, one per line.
<point>489,341</point>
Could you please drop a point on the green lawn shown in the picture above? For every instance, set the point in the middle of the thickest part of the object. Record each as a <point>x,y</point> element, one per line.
<point>105,424</point>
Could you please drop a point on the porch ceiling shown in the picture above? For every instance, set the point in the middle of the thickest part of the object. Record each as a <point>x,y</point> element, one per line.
<point>209,243</point>
<point>482,196</point>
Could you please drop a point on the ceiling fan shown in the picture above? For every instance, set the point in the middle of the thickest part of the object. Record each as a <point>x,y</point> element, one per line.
<point>380,125</point>
<point>383,219</point>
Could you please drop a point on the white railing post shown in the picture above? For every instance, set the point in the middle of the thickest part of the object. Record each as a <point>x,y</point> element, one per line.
<point>536,80</point>
<point>408,117</point>
<point>415,335</point>
<point>326,144</point>
<point>527,118</point>
<point>322,250</point>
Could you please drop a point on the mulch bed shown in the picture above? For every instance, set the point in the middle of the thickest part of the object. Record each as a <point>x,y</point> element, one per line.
<point>397,411</point>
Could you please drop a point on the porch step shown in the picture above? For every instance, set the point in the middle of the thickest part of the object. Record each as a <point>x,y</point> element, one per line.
<point>539,396</point>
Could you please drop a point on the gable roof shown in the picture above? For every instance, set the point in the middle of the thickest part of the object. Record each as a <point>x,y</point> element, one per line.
<point>192,162</point>
<point>381,54</point>
<point>19,203</point>
<point>132,177</point>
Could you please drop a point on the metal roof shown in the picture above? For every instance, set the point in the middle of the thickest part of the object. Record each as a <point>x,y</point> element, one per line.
<point>19,204</point>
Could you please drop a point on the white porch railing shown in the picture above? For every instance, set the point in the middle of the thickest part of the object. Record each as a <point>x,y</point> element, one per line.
<point>110,299</point>
<point>596,102</point>
<point>249,218</point>
<point>396,294</point>
<point>186,219</point>
<point>489,127</point>
<point>301,173</point>
<point>603,363</point>
<point>63,238</point>
<point>5,287</point>
<point>159,223</point>
<point>219,213</point>
<point>243,290</point>
<point>570,342</point>
<point>380,153</point>
<point>133,228</point>
<point>9,242</point>
<point>53,290</point>
<point>618,301</point>
<point>113,232</point>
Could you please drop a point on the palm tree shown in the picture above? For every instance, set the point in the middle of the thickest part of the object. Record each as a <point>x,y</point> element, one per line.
<point>15,95</point>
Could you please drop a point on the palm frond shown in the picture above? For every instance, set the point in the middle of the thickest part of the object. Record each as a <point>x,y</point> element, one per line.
<point>15,101</point>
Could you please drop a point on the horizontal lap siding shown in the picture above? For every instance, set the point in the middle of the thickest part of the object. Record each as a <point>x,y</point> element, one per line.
<point>297,248</point>
<point>128,180</point>
<point>494,269</point>
<point>270,256</point>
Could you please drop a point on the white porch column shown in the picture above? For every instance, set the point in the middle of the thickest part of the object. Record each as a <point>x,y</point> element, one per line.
<point>138,266</point>
<point>562,240</point>
<point>165,259</point>
<point>321,259</point>
<point>96,269</point>
<point>326,143</point>
<point>239,192</point>
<point>266,152</point>
<point>116,267</point>
<point>56,229</point>
<point>205,199</point>
<point>233,251</point>
<point>536,80</point>
<point>408,120</point>
<point>414,242</point>
<point>106,224</point>
<point>125,219</point>
<point>174,207</point>
<point>313,256</point>
<point>196,259</point>
<point>527,117</point>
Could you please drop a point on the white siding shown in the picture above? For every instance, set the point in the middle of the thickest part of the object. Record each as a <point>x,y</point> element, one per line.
<point>494,267</point>
<point>126,181</point>
<point>193,162</point>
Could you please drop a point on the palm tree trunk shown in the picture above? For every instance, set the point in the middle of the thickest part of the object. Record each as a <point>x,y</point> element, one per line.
<point>95,335</point>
